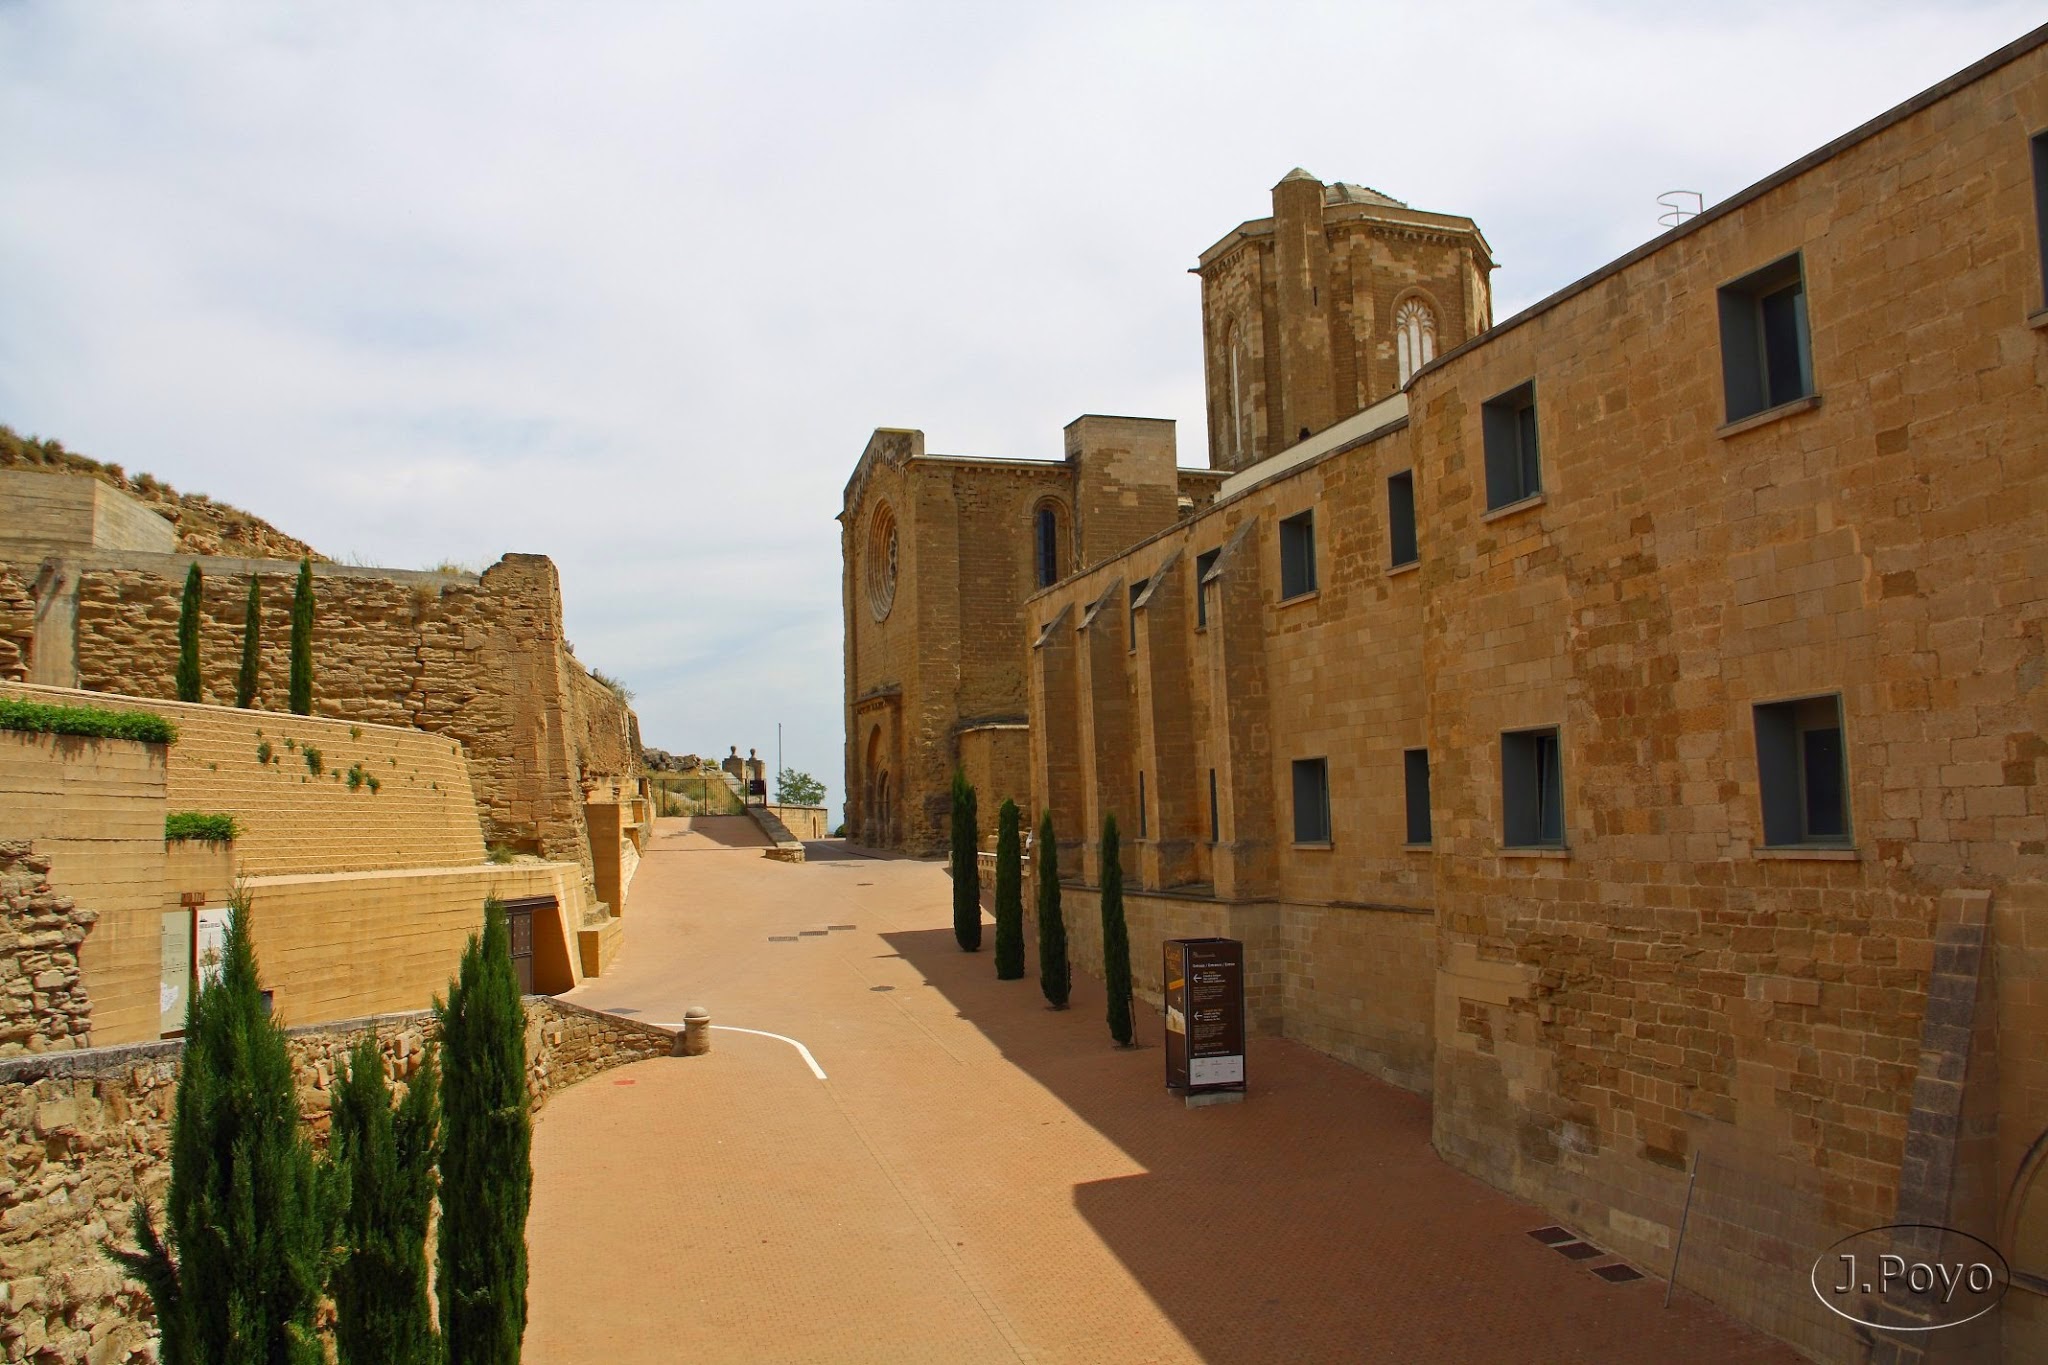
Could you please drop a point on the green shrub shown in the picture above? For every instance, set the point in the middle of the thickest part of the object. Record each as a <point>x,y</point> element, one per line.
<point>486,1154</point>
<point>356,777</point>
<point>1055,974</point>
<point>93,722</point>
<point>237,1269</point>
<point>966,866</point>
<point>1116,937</point>
<point>382,1313</point>
<point>375,785</point>
<point>313,761</point>
<point>188,637</point>
<point>252,646</point>
<point>200,827</point>
<point>1009,894</point>
<point>355,732</point>
<point>497,853</point>
<point>302,641</point>
<point>264,753</point>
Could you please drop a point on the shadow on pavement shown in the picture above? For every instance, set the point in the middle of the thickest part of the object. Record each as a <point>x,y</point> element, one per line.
<point>707,831</point>
<point>1314,1221</point>
<point>840,851</point>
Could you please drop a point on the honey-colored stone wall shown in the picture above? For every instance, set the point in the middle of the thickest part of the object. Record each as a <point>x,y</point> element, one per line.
<point>945,660</point>
<point>93,810</point>
<point>89,1134</point>
<point>1842,1038</point>
<point>480,660</point>
<point>1298,311</point>
<point>43,1002</point>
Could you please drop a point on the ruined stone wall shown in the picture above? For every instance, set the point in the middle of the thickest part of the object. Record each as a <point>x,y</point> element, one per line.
<point>481,660</point>
<point>17,624</point>
<point>43,1001</point>
<point>87,1135</point>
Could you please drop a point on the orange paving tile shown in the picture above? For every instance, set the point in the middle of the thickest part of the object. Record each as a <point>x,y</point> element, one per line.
<point>980,1179</point>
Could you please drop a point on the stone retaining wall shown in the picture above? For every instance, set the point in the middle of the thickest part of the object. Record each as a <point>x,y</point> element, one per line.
<point>84,1133</point>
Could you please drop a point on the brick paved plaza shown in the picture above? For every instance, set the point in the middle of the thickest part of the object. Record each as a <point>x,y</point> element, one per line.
<point>979,1179</point>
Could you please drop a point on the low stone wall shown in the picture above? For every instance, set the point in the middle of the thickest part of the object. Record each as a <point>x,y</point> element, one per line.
<point>87,1132</point>
<point>805,822</point>
<point>787,848</point>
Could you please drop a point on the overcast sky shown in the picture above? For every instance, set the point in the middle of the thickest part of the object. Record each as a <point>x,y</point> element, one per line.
<point>630,284</point>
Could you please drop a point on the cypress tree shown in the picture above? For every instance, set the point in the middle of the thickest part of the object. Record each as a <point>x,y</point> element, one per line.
<point>486,1147</point>
<point>302,641</point>
<point>1009,894</point>
<point>966,867</point>
<point>252,645</point>
<point>188,637</point>
<point>1055,977</point>
<point>1116,937</point>
<point>237,1273</point>
<point>386,1165</point>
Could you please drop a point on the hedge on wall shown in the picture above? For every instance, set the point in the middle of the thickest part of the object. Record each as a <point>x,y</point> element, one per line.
<point>200,826</point>
<point>91,721</point>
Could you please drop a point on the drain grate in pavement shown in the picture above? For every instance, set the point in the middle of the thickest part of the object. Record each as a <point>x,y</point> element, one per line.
<point>782,938</point>
<point>1578,1251</point>
<point>621,1009</point>
<point>812,933</point>
<point>1553,1234</point>
<point>842,926</point>
<point>1617,1274</point>
<point>881,988</point>
<point>863,883</point>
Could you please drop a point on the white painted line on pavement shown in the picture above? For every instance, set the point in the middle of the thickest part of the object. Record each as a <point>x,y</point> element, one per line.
<point>809,1060</point>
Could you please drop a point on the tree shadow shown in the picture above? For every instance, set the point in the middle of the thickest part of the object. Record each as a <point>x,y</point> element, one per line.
<point>1314,1220</point>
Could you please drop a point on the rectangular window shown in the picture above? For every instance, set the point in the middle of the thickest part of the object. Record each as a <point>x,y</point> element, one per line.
<point>1507,426</point>
<point>1311,801</point>
<point>1401,518</point>
<point>2040,143</point>
<point>1802,768</point>
<point>1531,790</point>
<point>1416,761</point>
<point>1298,555</point>
<point>1142,828</point>
<point>1215,812</point>
<point>1766,352</point>
<point>1203,563</point>
<point>1137,591</point>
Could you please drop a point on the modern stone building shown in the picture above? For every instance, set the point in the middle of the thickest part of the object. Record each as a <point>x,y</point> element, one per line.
<point>1624,723</point>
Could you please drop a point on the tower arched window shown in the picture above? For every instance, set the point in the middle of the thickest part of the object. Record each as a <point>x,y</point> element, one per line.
<point>1046,532</point>
<point>1414,338</point>
<point>1234,356</point>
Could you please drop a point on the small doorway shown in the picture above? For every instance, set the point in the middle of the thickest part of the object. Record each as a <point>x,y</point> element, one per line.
<point>519,929</point>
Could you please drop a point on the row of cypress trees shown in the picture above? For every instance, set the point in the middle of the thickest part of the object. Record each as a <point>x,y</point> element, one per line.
<point>1055,975</point>
<point>256,1229</point>
<point>301,685</point>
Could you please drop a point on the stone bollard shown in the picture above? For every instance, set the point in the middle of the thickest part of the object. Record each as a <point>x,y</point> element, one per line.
<point>696,1031</point>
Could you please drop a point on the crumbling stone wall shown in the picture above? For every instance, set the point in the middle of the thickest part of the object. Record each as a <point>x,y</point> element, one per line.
<point>43,1003</point>
<point>84,1134</point>
<point>17,626</point>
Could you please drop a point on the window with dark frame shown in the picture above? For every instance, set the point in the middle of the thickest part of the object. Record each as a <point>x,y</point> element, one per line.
<point>1137,591</point>
<point>1203,563</point>
<point>1215,812</point>
<point>1531,789</point>
<point>1802,770</point>
<point>2040,147</point>
<point>1415,762</point>
<point>1401,518</point>
<point>1298,555</point>
<point>1507,426</point>
<point>1048,547</point>
<point>1311,801</point>
<point>1766,349</point>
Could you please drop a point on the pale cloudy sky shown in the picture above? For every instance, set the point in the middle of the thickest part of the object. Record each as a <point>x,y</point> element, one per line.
<point>629,284</point>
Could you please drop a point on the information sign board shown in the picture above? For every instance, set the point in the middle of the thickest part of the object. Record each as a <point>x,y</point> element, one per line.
<point>1205,1032</point>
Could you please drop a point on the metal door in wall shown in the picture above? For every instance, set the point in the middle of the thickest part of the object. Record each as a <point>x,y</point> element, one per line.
<point>519,928</point>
